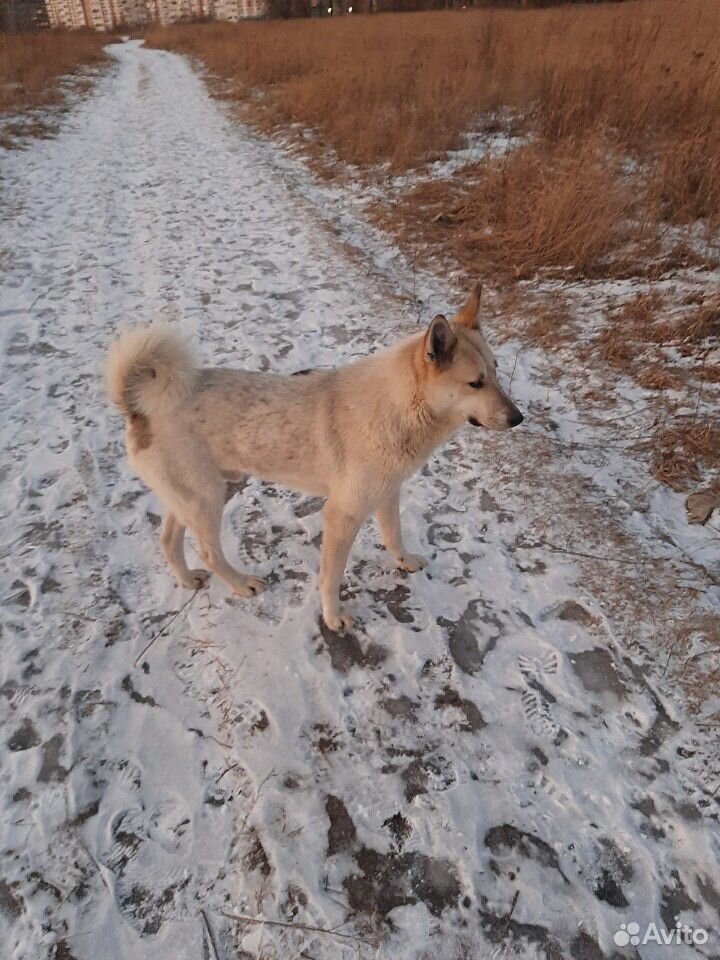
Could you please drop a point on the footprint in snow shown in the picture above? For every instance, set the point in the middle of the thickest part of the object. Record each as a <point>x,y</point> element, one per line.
<point>536,700</point>
<point>538,715</point>
<point>146,851</point>
<point>537,667</point>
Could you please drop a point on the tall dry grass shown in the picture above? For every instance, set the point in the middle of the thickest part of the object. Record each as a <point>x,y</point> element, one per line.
<point>32,63</point>
<point>540,206</point>
<point>617,172</point>
<point>619,101</point>
<point>405,88</point>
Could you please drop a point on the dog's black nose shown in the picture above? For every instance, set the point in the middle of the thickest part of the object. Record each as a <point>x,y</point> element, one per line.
<point>515,419</point>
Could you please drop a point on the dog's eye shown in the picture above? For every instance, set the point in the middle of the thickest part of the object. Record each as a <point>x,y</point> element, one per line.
<point>476,384</point>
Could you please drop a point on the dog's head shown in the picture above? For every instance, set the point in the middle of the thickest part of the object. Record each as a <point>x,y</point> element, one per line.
<point>462,380</point>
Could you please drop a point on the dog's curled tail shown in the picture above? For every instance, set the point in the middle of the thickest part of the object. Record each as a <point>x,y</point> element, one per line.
<point>150,370</point>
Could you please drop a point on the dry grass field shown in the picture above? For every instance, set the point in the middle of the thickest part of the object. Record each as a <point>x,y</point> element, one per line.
<point>405,88</point>
<point>31,65</point>
<point>612,173</point>
<point>617,104</point>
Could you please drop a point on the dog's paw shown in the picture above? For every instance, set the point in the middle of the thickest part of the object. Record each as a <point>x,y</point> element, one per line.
<point>249,586</point>
<point>196,579</point>
<point>412,562</point>
<point>338,620</point>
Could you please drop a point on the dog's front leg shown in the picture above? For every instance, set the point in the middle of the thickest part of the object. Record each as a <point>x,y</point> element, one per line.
<point>388,516</point>
<point>339,531</point>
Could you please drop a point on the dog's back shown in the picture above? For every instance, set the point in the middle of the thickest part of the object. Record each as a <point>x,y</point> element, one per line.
<point>310,432</point>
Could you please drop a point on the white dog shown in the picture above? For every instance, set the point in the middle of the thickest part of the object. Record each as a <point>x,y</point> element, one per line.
<point>352,435</point>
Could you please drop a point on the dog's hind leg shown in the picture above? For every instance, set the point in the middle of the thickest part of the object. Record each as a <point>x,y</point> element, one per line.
<point>388,516</point>
<point>194,500</point>
<point>204,520</point>
<point>339,531</point>
<point>172,540</point>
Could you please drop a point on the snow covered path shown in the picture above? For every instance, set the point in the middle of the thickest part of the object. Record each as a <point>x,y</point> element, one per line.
<point>480,736</point>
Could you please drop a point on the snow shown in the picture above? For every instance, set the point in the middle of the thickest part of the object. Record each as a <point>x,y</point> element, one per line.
<point>171,761</point>
<point>480,144</point>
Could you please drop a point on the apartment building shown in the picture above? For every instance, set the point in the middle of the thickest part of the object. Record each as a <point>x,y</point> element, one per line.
<point>100,13</point>
<point>133,12</point>
<point>73,14</point>
<point>234,10</point>
<point>66,13</point>
<point>108,14</point>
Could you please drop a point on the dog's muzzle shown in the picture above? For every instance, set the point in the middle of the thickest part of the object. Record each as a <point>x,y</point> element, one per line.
<point>515,419</point>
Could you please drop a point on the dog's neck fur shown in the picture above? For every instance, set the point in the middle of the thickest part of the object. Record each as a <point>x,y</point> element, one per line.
<point>408,428</point>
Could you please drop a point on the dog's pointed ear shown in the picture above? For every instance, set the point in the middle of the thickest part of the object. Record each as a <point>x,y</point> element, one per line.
<point>469,315</point>
<point>440,342</point>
